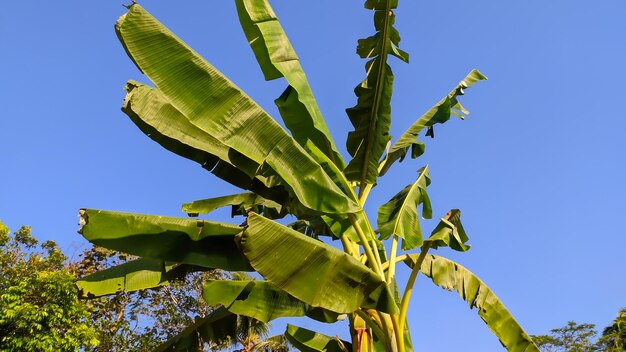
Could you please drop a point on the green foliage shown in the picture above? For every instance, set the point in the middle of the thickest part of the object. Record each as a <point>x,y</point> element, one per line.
<point>614,336</point>
<point>39,306</point>
<point>575,337</point>
<point>196,112</point>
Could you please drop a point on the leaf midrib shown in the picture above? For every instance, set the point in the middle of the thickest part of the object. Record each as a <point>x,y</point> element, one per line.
<point>374,117</point>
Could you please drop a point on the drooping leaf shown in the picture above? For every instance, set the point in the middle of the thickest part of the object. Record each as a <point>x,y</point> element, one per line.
<point>152,112</point>
<point>240,201</point>
<point>215,105</point>
<point>218,326</point>
<point>277,58</point>
<point>156,117</point>
<point>450,275</point>
<point>132,276</point>
<point>199,242</point>
<point>310,341</point>
<point>312,271</point>
<point>399,215</point>
<point>371,116</point>
<point>439,113</point>
<point>260,300</point>
<point>450,233</point>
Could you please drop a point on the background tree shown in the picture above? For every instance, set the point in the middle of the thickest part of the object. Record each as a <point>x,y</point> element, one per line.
<point>572,337</point>
<point>39,309</point>
<point>613,337</point>
<point>39,306</point>
<point>575,337</point>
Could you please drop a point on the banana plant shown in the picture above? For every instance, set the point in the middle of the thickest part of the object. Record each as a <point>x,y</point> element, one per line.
<point>330,261</point>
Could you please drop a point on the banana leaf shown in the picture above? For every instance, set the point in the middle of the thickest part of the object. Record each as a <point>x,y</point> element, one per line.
<point>440,113</point>
<point>371,116</point>
<point>450,275</point>
<point>132,276</point>
<point>399,215</point>
<point>215,105</point>
<point>338,225</point>
<point>205,243</point>
<point>277,58</point>
<point>239,202</point>
<point>135,275</point>
<point>260,300</point>
<point>163,123</point>
<point>219,326</point>
<point>450,233</point>
<point>312,271</point>
<point>310,341</point>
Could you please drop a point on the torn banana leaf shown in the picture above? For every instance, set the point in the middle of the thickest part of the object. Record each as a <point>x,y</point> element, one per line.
<point>310,341</point>
<point>439,113</point>
<point>218,107</point>
<point>450,233</point>
<point>240,202</point>
<point>312,271</point>
<point>399,216</point>
<point>178,240</point>
<point>371,116</point>
<point>261,300</point>
<point>277,58</point>
<point>450,275</point>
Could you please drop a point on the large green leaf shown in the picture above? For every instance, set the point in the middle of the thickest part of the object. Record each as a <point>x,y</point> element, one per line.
<point>218,107</point>
<point>439,113</point>
<point>152,112</point>
<point>450,233</point>
<point>450,275</point>
<point>310,341</point>
<point>277,59</point>
<point>371,116</point>
<point>260,300</point>
<point>205,243</point>
<point>312,271</point>
<point>156,117</point>
<point>132,276</point>
<point>399,216</point>
<point>220,325</point>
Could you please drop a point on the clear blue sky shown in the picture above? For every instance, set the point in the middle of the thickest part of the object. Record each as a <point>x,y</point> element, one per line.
<point>538,168</point>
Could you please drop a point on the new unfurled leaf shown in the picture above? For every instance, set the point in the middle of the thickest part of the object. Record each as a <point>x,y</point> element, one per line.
<point>399,216</point>
<point>260,300</point>
<point>178,240</point>
<point>218,107</point>
<point>277,58</point>
<point>449,233</point>
<point>312,271</point>
<point>439,113</point>
<point>452,276</point>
